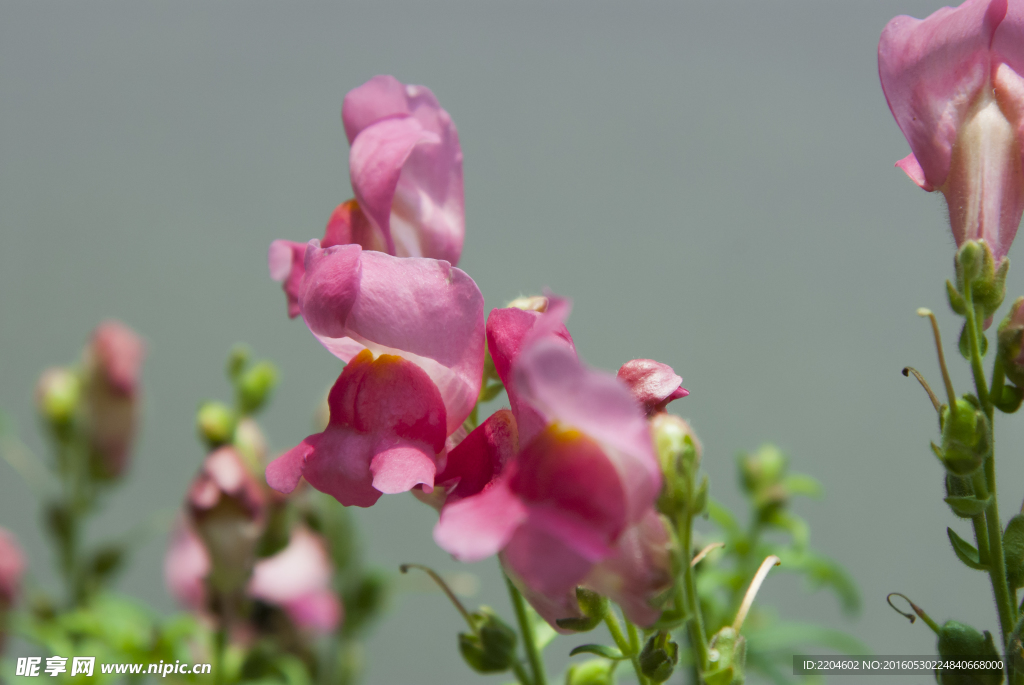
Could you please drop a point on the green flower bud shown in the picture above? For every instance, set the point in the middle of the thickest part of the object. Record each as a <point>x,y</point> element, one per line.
<point>959,640</point>
<point>964,438</point>
<point>492,648</point>
<point>57,395</point>
<point>762,469</point>
<point>216,422</point>
<point>976,264</point>
<point>254,386</point>
<point>679,454</point>
<point>238,359</point>
<point>659,657</point>
<point>727,656</point>
<point>592,672</point>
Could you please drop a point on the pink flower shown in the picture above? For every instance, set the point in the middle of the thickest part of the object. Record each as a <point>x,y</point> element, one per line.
<point>390,416</point>
<point>953,82</point>
<point>584,474</point>
<point>298,579</point>
<point>113,361</point>
<point>654,384</point>
<point>406,170</point>
<point>12,566</point>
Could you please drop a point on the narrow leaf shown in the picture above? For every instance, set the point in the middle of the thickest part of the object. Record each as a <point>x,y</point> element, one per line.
<point>600,650</point>
<point>965,551</point>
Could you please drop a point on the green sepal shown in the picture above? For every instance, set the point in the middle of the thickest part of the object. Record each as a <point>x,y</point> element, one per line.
<point>965,442</point>
<point>700,499</point>
<point>1010,399</point>
<point>968,507</point>
<point>956,301</point>
<point>728,668</point>
<point>600,650</point>
<point>593,607</point>
<point>723,676</point>
<point>659,657</point>
<point>492,648</point>
<point>1013,551</point>
<point>964,344</point>
<point>965,551</point>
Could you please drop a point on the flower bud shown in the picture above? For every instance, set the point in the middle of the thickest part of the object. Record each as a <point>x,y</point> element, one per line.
<point>57,395</point>
<point>964,438</point>
<point>957,640</point>
<point>679,453</point>
<point>112,363</point>
<point>976,264</point>
<point>254,386</point>
<point>227,509</point>
<point>216,423</point>
<point>492,648</point>
<point>592,672</point>
<point>659,657</point>
<point>1011,337</point>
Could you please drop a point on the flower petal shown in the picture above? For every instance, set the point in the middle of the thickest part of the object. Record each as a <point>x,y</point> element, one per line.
<point>477,527</point>
<point>932,71</point>
<point>286,260</point>
<point>381,97</point>
<point>348,224</point>
<point>653,384</point>
<point>283,474</point>
<point>479,459</point>
<point>186,565</point>
<point>402,467</point>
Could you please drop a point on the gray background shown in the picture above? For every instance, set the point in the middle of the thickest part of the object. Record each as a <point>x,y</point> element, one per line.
<point>711,182</point>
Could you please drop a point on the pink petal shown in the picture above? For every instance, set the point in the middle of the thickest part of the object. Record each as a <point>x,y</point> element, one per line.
<point>544,562</point>
<point>550,377</point>
<point>931,72</point>
<point>402,467</point>
<point>287,266</point>
<point>117,352</point>
<point>477,527</point>
<point>551,608</point>
<point>186,566</point>
<point>913,169</point>
<point>653,384</point>
<point>481,457</point>
<point>422,310</point>
<point>283,474</point>
<point>319,611</point>
<point>381,97</point>
<point>340,466</point>
<point>301,568</point>
<point>12,567</point>
<point>348,224</point>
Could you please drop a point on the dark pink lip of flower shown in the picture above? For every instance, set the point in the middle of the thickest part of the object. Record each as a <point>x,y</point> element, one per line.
<point>953,82</point>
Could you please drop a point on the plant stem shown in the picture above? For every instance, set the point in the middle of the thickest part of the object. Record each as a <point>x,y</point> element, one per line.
<point>526,630</point>
<point>997,563</point>
<point>684,528</point>
<point>629,647</point>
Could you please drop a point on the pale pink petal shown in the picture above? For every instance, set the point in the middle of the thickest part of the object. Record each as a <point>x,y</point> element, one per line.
<point>913,169</point>
<point>382,97</point>
<point>550,377</point>
<point>12,566</point>
<point>117,352</point>
<point>402,467</point>
<point>543,560</point>
<point>319,611</point>
<point>652,383</point>
<point>477,527</point>
<point>932,71</point>
<point>301,568</point>
<point>422,310</point>
<point>286,261</point>
<point>284,473</point>
<point>186,566</point>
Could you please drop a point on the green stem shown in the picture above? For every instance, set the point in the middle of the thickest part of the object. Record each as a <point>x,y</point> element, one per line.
<point>629,647</point>
<point>998,378</point>
<point>997,563</point>
<point>695,625</point>
<point>526,630</point>
<point>521,675</point>
<point>219,647</point>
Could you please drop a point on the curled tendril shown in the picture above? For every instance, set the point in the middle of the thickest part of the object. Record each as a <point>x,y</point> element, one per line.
<point>917,610</point>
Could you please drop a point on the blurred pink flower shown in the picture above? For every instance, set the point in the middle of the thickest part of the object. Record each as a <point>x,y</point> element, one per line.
<point>406,170</point>
<point>654,384</point>
<point>584,474</point>
<point>953,82</point>
<point>390,416</point>
<point>113,361</point>
<point>12,567</point>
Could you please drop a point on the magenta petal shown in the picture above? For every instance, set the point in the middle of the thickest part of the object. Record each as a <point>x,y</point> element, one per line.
<point>913,169</point>
<point>340,466</point>
<point>550,607</point>
<point>283,473</point>
<point>422,310</point>
<point>480,458</point>
<point>477,527</point>
<point>287,266</point>
<point>543,560</point>
<point>551,378</point>
<point>402,467</point>
<point>653,384</point>
<point>931,72</point>
<point>381,97</point>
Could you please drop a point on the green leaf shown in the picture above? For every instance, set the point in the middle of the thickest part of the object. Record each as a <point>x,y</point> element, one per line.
<point>600,650</point>
<point>956,300</point>
<point>700,500</point>
<point>964,344</point>
<point>968,507</point>
<point>965,551</point>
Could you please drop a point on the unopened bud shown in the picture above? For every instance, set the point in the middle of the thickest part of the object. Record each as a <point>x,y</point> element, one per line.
<point>238,359</point>
<point>254,386</point>
<point>57,395</point>
<point>975,264</point>
<point>763,468</point>
<point>216,422</point>
<point>592,672</point>
<point>965,441</point>
<point>679,454</point>
<point>659,657</point>
<point>957,640</point>
<point>536,303</point>
<point>492,648</point>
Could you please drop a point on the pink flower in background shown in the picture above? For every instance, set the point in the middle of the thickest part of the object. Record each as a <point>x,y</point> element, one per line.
<point>953,82</point>
<point>12,567</point>
<point>654,384</point>
<point>406,170</point>
<point>585,472</point>
<point>113,361</point>
<point>390,416</point>
<point>298,579</point>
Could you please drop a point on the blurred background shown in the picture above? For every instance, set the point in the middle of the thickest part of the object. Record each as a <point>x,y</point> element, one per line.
<point>712,183</point>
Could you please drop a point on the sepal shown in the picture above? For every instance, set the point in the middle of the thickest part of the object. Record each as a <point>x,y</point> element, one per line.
<point>492,647</point>
<point>659,657</point>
